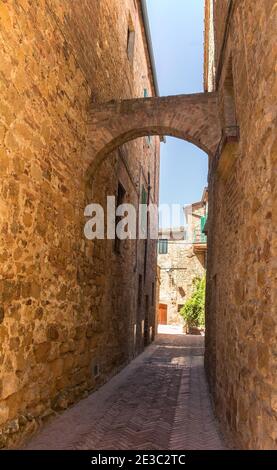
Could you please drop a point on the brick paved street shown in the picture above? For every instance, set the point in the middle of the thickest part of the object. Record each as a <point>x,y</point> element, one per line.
<point>160,401</point>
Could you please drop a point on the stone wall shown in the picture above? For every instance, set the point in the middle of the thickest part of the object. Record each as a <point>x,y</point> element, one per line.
<point>68,307</point>
<point>241,289</point>
<point>179,267</point>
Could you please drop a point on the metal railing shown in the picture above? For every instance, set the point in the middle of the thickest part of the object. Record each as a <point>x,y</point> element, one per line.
<point>199,236</point>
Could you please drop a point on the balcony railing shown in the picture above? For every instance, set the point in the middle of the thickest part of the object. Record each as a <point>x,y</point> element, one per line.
<point>199,237</point>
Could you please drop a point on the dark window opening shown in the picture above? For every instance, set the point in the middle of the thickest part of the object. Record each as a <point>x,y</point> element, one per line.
<point>145,220</point>
<point>145,258</point>
<point>96,370</point>
<point>139,290</point>
<point>119,200</point>
<point>153,294</point>
<point>148,202</point>
<point>143,200</point>
<point>143,197</point>
<point>163,247</point>
<point>148,138</point>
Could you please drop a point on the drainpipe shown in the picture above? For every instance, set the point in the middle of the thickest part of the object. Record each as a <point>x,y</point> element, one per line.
<point>230,11</point>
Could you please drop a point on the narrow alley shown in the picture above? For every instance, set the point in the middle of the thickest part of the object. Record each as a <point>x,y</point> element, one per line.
<point>138,158</point>
<point>175,412</point>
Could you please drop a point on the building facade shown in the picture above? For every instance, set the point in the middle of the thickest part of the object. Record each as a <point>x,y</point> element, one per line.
<point>240,65</point>
<point>72,311</point>
<point>182,256</point>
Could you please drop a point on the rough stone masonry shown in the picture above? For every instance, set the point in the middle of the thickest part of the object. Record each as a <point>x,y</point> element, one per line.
<point>241,280</point>
<point>69,314</point>
<point>72,313</point>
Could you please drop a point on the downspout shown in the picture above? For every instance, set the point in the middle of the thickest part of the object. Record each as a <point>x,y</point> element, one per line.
<point>230,11</point>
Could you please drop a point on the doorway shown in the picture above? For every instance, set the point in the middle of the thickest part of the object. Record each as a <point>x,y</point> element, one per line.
<point>162,320</point>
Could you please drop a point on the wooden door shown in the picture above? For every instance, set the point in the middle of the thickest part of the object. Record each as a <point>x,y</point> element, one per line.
<point>162,314</point>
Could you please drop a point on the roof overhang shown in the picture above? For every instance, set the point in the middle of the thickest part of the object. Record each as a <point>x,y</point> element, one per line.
<point>145,18</point>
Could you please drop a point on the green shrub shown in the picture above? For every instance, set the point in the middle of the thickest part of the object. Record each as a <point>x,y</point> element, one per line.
<point>193,311</point>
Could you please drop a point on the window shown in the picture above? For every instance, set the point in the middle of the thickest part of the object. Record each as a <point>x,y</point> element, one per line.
<point>144,221</point>
<point>153,294</point>
<point>145,258</point>
<point>149,140</point>
<point>163,247</point>
<point>148,202</point>
<point>139,290</point>
<point>143,195</point>
<point>181,291</point>
<point>131,40</point>
<point>120,200</point>
<point>96,370</point>
<point>203,221</point>
<point>180,306</point>
<point>143,217</point>
<point>148,137</point>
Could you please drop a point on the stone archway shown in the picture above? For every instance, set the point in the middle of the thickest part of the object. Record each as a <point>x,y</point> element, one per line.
<point>194,118</point>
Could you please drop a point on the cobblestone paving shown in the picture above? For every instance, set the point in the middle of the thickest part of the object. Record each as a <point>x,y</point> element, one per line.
<point>160,401</point>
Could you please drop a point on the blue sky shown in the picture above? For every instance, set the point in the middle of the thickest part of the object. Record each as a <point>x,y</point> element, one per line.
<point>177,36</point>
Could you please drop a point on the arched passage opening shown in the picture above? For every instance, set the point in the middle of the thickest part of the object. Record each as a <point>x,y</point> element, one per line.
<point>192,117</point>
<point>125,310</point>
<point>182,244</point>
